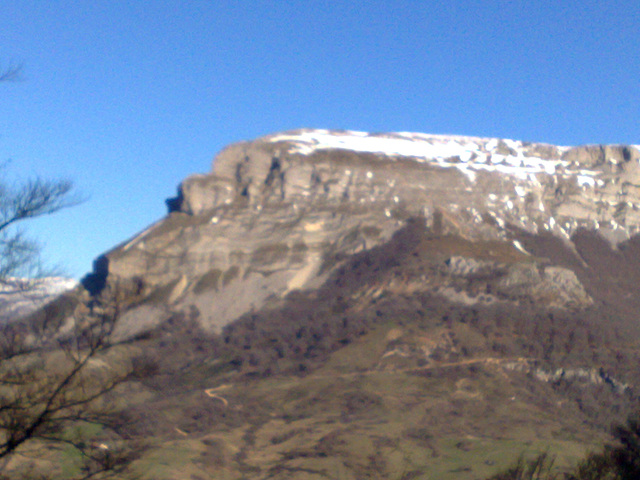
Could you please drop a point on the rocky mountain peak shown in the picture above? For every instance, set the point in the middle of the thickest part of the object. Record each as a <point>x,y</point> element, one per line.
<point>533,186</point>
<point>280,213</point>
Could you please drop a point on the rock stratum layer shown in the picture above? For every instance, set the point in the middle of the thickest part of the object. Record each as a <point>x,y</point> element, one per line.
<point>280,213</point>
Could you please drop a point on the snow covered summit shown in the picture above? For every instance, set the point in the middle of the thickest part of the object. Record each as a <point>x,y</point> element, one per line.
<point>19,297</point>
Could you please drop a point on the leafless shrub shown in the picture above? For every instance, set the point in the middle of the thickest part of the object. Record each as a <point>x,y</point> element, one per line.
<point>55,386</point>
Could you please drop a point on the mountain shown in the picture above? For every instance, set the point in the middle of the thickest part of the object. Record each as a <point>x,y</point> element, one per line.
<point>20,297</point>
<point>277,214</point>
<point>337,304</point>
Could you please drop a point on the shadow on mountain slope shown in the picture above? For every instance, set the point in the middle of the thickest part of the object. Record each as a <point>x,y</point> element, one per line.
<point>379,374</point>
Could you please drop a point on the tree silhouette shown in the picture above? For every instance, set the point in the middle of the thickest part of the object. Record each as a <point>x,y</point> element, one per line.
<point>59,365</point>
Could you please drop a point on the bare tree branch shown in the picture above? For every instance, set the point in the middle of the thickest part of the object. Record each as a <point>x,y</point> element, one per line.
<point>19,256</point>
<point>45,390</point>
<point>11,73</point>
<point>34,199</point>
<point>57,370</point>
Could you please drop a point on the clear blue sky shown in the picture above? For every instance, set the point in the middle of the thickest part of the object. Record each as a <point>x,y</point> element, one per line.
<point>127,98</point>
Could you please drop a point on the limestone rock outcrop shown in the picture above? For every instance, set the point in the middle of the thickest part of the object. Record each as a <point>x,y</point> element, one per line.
<point>279,213</point>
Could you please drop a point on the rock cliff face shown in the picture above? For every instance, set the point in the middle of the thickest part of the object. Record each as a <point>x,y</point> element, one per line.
<point>280,214</point>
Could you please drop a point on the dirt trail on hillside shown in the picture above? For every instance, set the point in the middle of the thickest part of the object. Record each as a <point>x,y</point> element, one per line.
<point>211,392</point>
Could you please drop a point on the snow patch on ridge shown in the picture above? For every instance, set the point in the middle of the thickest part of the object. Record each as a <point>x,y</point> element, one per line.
<point>466,154</point>
<point>19,297</point>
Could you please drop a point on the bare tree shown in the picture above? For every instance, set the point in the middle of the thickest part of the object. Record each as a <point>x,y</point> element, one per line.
<point>59,367</point>
<point>57,377</point>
